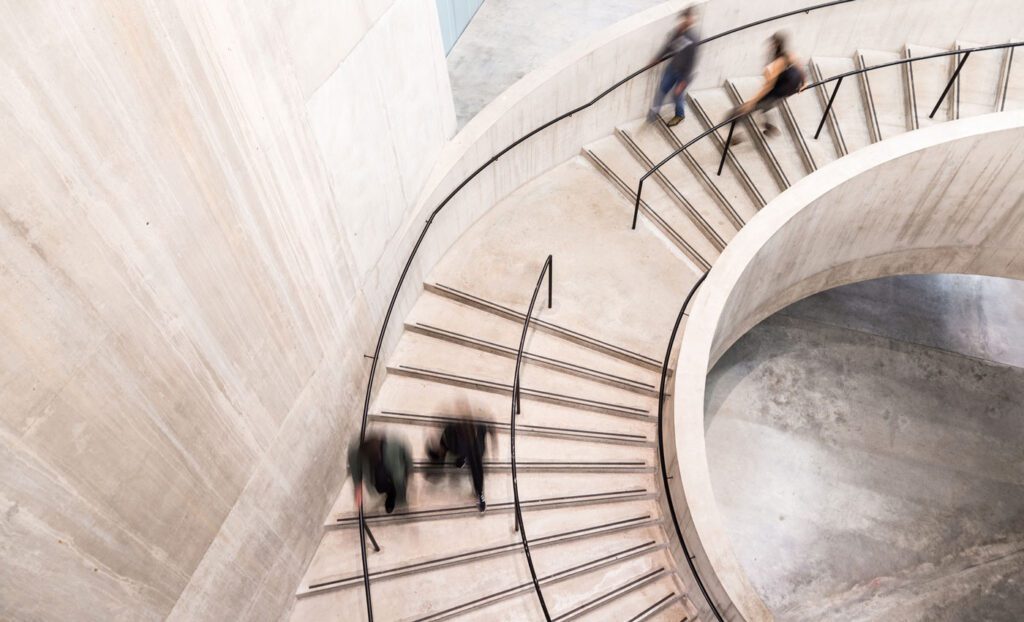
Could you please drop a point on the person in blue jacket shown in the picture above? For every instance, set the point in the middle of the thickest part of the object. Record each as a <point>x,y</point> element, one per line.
<point>681,44</point>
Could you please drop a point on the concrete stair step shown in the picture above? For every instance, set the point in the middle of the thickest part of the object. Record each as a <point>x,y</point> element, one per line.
<point>712,106</point>
<point>786,154</point>
<point>849,111</point>
<point>613,159</point>
<point>705,155</point>
<point>462,541</point>
<point>978,85</point>
<point>683,178</point>
<point>417,351</point>
<point>442,498</point>
<point>531,359</point>
<point>569,585</point>
<point>445,317</point>
<point>527,393</point>
<point>529,448</point>
<point>660,600</point>
<point>579,599</point>
<point>886,92</point>
<point>1011,96</point>
<point>530,424</point>
<point>804,111</point>
<point>569,334</point>
<point>927,79</point>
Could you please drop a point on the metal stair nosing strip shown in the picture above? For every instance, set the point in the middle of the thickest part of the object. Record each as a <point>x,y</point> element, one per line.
<point>327,584</point>
<point>698,170</point>
<point>562,575</point>
<point>691,212</point>
<point>660,605</point>
<point>719,142</point>
<point>869,99</point>
<point>546,466</point>
<point>798,136</point>
<point>766,151</point>
<point>691,253</point>
<point>571,401</point>
<point>631,494</point>
<point>832,121</point>
<point>543,361</point>
<point>568,334</point>
<point>1003,89</point>
<point>623,589</point>
<point>535,430</point>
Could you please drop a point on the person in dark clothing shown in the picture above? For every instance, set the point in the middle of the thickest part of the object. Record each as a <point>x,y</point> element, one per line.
<point>682,45</point>
<point>466,441</point>
<point>783,77</point>
<point>385,463</point>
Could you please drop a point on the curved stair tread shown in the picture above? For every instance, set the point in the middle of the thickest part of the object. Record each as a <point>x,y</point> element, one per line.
<point>588,476</point>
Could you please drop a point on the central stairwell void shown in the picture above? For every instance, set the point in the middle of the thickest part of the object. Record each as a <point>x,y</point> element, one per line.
<point>589,473</point>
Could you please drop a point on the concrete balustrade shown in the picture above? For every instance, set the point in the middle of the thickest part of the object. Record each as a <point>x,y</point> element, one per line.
<point>946,199</point>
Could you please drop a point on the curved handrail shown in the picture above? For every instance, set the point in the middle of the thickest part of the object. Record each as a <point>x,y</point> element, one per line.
<point>661,447</point>
<point>426,227</point>
<point>546,270</point>
<point>838,80</point>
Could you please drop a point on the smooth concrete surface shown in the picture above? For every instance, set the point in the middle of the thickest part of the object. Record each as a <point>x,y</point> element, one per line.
<point>977,316</point>
<point>185,234</point>
<point>507,39</point>
<point>943,199</point>
<point>865,477</point>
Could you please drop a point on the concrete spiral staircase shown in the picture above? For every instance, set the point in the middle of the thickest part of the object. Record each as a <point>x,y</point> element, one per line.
<point>586,440</point>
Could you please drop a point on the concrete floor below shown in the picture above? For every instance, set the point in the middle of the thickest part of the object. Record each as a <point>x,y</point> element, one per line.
<point>866,447</point>
<point>507,39</point>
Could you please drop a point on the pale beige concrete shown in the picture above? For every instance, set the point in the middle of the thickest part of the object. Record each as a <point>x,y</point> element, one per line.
<point>945,199</point>
<point>182,259</point>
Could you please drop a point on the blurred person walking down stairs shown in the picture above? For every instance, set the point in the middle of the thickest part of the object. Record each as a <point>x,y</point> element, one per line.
<point>466,441</point>
<point>384,462</point>
<point>682,45</point>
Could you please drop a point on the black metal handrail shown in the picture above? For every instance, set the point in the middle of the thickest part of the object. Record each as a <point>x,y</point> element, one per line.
<point>547,270</point>
<point>661,447</point>
<point>838,79</point>
<point>426,227</point>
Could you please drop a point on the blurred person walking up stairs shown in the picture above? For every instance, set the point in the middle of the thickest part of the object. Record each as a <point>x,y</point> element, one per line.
<point>682,45</point>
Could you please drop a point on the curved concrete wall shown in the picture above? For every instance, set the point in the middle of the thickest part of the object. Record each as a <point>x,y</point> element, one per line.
<point>949,199</point>
<point>185,232</point>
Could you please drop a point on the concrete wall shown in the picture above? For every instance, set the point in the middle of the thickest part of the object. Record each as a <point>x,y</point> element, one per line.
<point>944,199</point>
<point>192,200</point>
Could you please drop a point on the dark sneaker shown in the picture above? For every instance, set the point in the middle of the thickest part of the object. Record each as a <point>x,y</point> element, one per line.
<point>460,462</point>
<point>674,121</point>
<point>389,504</point>
<point>481,504</point>
<point>653,116</point>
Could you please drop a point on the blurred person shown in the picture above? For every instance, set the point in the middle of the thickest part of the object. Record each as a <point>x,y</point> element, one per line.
<point>466,441</point>
<point>783,77</point>
<point>682,45</point>
<point>384,462</point>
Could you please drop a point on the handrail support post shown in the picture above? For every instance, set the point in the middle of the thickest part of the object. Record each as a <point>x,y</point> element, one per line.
<point>828,108</point>
<point>949,84</point>
<point>728,142</point>
<point>373,541</point>
<point>636,206</point>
